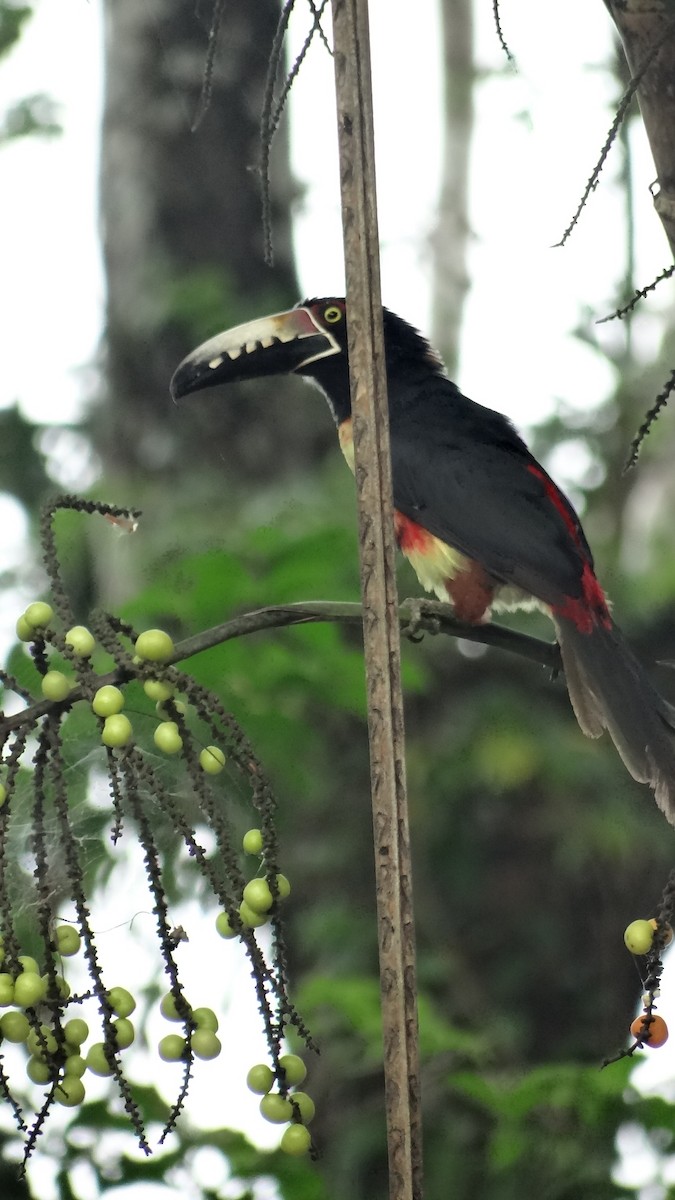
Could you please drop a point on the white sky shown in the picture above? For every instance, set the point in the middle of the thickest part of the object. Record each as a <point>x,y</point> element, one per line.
<point>538,134</point>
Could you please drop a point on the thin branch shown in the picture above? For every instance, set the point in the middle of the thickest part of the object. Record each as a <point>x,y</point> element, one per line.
<point>619,117</point>
<point>640,294</point>
<point>496,15</point>
<point>207,78</point>
<point>659,403</point>
<point>415,617</point>
<point>271,111</point>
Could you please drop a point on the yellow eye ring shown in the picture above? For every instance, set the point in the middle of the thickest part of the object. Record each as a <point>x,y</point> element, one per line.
<point>332,314</point>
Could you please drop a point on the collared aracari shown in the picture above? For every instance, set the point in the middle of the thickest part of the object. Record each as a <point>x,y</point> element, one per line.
<point>480,520</point>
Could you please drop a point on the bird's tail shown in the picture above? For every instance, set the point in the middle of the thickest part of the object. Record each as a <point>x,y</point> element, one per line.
<point>609,689</point>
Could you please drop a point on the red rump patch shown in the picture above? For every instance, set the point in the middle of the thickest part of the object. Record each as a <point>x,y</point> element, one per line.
<point>591,609</point>
<point>470,588</point>
<point>411,537</point>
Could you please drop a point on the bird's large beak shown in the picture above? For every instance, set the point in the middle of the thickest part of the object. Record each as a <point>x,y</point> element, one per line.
<point>273,345</point>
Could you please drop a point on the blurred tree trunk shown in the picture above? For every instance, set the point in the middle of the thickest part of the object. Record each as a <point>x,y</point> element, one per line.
<point>642,24</point>
<point>182,234</point>
<point>450,238</point>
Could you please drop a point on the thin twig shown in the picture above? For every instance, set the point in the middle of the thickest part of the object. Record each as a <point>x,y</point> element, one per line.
<point>415,616</point>
<point>640,294</point>
<point>207,78</point>
<point>652,414</point>
<point>496,14</point>
<point>619,117</point>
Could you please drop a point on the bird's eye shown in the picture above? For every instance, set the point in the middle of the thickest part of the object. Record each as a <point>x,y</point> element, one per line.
<point>332,314</point>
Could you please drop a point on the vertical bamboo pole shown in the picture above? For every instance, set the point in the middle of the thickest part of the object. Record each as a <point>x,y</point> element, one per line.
<point>396,933</point>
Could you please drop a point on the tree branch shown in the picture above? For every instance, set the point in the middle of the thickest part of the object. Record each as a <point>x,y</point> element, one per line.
<point>415,617</point>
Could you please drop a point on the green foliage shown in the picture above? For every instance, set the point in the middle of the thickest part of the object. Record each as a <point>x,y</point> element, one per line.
<point>13,17</point>
<point>32,115</point>
<point>21,466</point>
<point>347,1008</point>
<point>36,114</point>
<point>549,1124</point>
<point>204,301</point>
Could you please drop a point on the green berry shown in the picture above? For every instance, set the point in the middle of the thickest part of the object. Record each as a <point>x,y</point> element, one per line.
<point>167,738</point>
<point>55,685</point>
<point>296,1140</point>
<point>107,701</point>
<point>117,731</point>
<point>306,1106</point>
<point>121,1001</point>
<point>252,841</point>
<point>260,1079</point>
<point>6,989</point>
<point>223,926</point>
<point>62,988</point>
<point>205,1018</point>
<point>283,886</point>
<point>69,1091</point>
<point>154,645</point>
<point>75,1065</point>
<point>257,895</point>
<point>29,990</point>
<point>205,1044</point>
<point>293,1068</point>
<point>24,631</point>
<point>158,690</point>
<point>3,797</point>
<point>124,1032</point>
<point>162,709</point>
<point>76,1031</point>
<point>38,614</point>
<point>169,1010</point>
<point>212,760</point>
<point>14,1026</point>
<point>37,1070</point>
<point>639,937</point>
<point>80,640</point>
<point>28,965</point>
<point>172,1047</point>
<point>251,918</point>
<point>41,1043</point>
<point>68,940</point>
<point>276,1109</point>
<point>97,1062</point>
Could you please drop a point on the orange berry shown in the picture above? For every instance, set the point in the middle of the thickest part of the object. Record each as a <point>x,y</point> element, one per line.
<point>653,1030</point>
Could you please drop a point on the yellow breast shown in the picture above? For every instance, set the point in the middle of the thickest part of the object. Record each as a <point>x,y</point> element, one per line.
<point>346,436</point>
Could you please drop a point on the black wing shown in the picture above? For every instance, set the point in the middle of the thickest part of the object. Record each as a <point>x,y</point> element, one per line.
<point>462,472</point>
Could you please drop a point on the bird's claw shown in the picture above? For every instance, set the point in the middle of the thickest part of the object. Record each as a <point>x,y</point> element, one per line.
<point>421,620</point>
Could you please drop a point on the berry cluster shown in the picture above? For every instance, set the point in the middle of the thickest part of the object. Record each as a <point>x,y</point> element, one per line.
<point>203,1024</point>
<point>648,1029</point>
<point>151,646</point>
<point>37,1017</point>
<point>259,896</point>
<point>167,739</point>
<point>140,745</point>
<point>285,1107</point>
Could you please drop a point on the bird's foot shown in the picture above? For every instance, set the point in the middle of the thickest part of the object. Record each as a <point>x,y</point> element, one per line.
<point>422,619</point>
